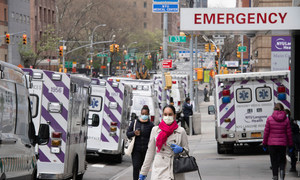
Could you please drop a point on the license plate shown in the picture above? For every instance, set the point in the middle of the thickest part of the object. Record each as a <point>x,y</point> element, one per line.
<point>256,135</point>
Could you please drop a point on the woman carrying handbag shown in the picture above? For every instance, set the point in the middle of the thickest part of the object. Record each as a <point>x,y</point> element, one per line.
<point>140,129</point>
<point>166,140</point>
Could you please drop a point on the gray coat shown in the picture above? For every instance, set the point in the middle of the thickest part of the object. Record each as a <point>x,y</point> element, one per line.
<point>162,168</point>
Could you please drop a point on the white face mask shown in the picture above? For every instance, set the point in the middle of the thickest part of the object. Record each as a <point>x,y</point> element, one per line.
<point>168,119</point>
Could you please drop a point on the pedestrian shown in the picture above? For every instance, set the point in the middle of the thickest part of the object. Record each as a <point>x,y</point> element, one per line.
<point>206,94</point>
<point>296,140</point>
<point>141,132</point>
<point>187,112</point>
<point>171,101</point>
<point>277,136</point>
<point>166,140</point>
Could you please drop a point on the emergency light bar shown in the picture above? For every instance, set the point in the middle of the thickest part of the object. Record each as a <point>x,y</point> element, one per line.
<point>56,77</point>
<point>37,75</point>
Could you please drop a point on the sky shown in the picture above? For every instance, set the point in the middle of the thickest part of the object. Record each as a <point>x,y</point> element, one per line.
<point>222,3</point>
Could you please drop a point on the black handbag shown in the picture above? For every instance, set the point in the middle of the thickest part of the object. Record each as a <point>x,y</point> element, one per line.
<point>183,164</point>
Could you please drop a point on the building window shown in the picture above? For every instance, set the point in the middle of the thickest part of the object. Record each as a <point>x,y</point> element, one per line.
<point>134,4</point>
<point>41,13</point>
<point>145,25</point>
<point>49,16</point>
<point>5,58</point>
<point>5,13</point>
<point>45,15</point>
<point>36,22</point>
<point>53,19</point>
<point>145,4</point>
<point>145,14</point>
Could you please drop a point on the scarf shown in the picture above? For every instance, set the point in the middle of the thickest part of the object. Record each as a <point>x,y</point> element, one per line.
<point>166,131</point>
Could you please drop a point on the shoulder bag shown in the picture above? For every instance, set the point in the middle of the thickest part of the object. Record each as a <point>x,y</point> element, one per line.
<point>130,143</point>
<point>183,164</point>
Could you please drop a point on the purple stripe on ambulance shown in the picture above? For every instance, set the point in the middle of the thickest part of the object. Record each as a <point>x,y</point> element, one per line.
<point>53,123</point>
<point>103,138</point>
<point>43,157</point>
<point>29,71</point>
<point>227,114</point>
<point>244,82</point>
<point>116,90</point>
<point>58,83</point>
<point>229,126</point>
<point>107,127</point>
<point>52,98</point>
<point>279,84</point>
<point>111,115</point>
<point>111,99</point>
<point>261,81</point>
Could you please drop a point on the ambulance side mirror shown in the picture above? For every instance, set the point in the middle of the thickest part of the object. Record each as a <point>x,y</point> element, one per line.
<point>44,134</point>
<point>95,120</point>
<point>211,109</point>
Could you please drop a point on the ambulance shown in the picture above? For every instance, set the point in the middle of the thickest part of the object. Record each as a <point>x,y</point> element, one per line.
<point>244,102</point>
<point>109,117</point>
<point>62,101</point>
<point>18,159</point>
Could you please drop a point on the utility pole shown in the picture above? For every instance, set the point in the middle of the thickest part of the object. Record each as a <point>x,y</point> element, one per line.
<point>196,66</point>
<point>192,68</point>
<point>64,48</point>
<point>242,54</point>
<point>165,56</point>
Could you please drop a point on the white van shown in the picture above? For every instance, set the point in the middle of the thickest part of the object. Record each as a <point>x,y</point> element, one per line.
<point>62,101</point>
<point>244,102</point>
<point>17,133</point>
<point>110,109</point>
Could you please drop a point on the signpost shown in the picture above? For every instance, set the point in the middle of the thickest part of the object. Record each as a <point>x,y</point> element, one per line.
<point>167,63</point>
<point>242,49</point>
<point>177,39</point>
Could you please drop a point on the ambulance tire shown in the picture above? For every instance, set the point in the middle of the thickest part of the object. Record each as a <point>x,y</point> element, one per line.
<point>220,151</point>
<point>76,176</point>
<point>2,177</point>
<point>119,158</point>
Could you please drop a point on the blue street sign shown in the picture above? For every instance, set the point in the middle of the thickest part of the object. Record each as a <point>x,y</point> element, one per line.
<point>165,8</point>
<point>166,1</point>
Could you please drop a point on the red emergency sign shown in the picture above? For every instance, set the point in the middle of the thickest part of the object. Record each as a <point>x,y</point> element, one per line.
<point>167,63</point>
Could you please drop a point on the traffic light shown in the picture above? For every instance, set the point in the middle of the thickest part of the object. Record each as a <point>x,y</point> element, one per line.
<point>160,49</point>
<point>61,50</point>
<point>200,74</point>
<point>218,52</point>
<point>117,47</point>
<point>216,64</point>
<point>24,39</point>
<point>168,78</point>
<point>238,54</point>
<point>207,47</point>
<point>112,48</point>
<point>213,48</point>
<point>7,38</point>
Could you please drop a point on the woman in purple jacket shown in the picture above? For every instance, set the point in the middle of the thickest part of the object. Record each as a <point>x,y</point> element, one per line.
<point>277,136</point>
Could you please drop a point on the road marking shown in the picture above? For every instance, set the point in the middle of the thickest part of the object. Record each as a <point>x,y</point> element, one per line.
<point>98,165</point>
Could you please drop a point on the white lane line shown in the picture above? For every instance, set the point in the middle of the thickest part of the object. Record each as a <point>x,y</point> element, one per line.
<point>98,165</point>
<point>120,174</point>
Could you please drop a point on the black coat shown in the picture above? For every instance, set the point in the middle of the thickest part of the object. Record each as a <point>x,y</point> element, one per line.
<point>141,141</point>
<point>187,109</point>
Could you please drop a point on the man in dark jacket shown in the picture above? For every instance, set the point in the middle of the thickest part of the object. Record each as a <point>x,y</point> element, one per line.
<point>206,94</point>
<point>187,111</point>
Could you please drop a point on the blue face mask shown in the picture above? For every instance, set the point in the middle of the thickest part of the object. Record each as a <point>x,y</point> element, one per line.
<point>144,117</point>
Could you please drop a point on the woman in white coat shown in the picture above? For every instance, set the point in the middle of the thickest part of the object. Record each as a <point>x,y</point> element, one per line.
<point>166,139</point>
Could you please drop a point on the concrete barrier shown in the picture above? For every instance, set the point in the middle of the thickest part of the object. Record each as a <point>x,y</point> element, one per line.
<point>197,123</point>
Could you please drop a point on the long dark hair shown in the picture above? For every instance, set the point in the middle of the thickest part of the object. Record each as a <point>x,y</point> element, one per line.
<point>170,106</point>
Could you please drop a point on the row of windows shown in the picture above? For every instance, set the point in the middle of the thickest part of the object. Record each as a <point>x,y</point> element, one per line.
<point>145,4</point>
<point>20,18</point>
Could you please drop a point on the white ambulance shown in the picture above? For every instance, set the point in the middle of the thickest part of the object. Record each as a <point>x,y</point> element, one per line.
<point>17,133</point>
<point>62,101</point>
<point>244,102</point>
<point>109,117</point>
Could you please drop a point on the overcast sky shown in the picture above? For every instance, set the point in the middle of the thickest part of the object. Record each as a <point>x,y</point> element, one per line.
<point>222,3</point>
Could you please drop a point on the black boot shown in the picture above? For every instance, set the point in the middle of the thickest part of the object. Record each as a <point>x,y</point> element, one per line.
<point>282,174</point>
<point>275,178</point>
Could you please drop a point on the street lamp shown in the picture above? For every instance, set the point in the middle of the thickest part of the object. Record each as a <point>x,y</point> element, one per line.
<point>91,46</point>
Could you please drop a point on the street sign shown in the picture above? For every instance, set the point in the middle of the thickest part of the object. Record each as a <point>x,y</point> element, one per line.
<point>167,63</point>
<point>219,41</point>
<point>165,8</point>
<point>68,64</point>
<point>166,1</point>
<point>109,59</point>
<point>102,55</point>
<point>177,39</point>
<point>242,48</point>
<point>245,62</point>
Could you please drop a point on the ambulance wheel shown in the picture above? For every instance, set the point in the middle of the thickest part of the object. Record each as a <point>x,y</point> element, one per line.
<point>76,176</point>
<point>3,177</point>
<point>119,158</point>
<point>219,147</point>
